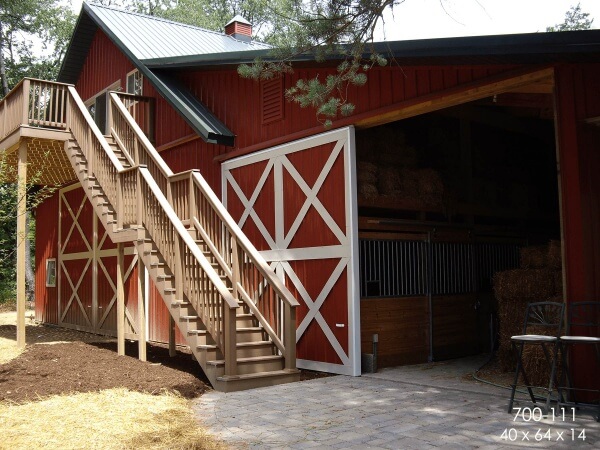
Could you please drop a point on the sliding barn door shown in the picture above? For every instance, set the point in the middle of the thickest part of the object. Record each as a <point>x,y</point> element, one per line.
<point>87,277</point>
<point>297,204</point>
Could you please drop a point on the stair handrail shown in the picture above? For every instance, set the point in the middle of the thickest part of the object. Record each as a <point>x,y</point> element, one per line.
<point>116,177</point>
<point>187,279</point>
<point>283,339</point>
<point>147,155</point>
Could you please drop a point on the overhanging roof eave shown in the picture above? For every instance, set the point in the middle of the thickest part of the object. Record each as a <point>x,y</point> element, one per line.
<point>544,47</point>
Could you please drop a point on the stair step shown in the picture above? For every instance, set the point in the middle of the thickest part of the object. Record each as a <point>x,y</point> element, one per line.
<point>196,332</point>
<point>252,364</point>
<point>180,303</point>
<point>249,334</point>
<point>164,277</point>
<point>188,318</point>
<point>272,373</point>
<point>252,359</point>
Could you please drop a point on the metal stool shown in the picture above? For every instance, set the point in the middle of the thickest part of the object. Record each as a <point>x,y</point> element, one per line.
<point>548,316</point>
<point>584,318</point>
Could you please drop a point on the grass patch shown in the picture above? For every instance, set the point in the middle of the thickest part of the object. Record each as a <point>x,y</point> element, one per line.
<point>8,350</point>
<point>110,419</point>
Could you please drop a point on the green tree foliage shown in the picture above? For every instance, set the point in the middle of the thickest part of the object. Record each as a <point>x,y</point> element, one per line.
<point>25,24</point>
<point>575,19</point>
<point>34,35</point>
<point>342,29</point>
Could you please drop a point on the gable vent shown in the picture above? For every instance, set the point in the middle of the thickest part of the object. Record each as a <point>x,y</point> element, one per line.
<point>272,100</point>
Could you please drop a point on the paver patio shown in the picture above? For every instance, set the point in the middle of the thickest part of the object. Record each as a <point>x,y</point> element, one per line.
<point>420,407</point>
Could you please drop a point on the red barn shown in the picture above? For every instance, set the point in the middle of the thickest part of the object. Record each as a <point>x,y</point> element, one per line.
<point>196,198</point>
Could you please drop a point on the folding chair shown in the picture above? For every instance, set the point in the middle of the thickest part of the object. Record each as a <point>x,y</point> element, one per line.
<point>583,329</point>
<point>549,317</point>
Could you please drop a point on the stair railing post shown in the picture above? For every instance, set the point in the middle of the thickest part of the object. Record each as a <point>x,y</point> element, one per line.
<point>140,201</point>
<point>26,96</point>
<point>120,198</point>
<point>179,256</point>
<point>289,329</point>
<point>235,266</point>
<point>192,200</point>
<point>230,341</point>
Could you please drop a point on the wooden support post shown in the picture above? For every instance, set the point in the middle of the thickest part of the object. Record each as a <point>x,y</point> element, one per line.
<point>21,236</point>
<point>141,309</point>
<point>120,299</point>
<point>172,348</point>
<point>230,341</point>
<point>289,340</point>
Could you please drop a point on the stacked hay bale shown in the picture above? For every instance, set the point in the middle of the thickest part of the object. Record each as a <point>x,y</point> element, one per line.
<point>387,167</point>
<point>538,279</point>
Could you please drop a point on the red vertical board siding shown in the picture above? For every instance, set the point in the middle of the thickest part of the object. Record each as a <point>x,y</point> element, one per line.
<point>578,98</point>
<point>158,318</point>
<point>103,65</point>
<point>46,246</point>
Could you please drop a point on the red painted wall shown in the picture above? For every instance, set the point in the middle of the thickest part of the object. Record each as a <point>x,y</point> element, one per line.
<point>577,99</point>
<point>46,246</point>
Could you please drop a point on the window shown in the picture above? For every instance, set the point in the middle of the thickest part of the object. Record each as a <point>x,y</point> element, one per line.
<point>135,82</point>
<point>98,106</point>
<point>51,272</point>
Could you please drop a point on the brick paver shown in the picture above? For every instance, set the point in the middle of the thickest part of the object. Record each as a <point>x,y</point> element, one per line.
<point>401,408</point>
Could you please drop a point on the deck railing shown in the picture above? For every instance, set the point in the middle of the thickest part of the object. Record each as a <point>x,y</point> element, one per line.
<point>34,103</point>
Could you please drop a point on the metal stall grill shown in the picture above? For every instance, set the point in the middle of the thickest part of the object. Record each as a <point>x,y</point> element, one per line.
<point>399,268</point>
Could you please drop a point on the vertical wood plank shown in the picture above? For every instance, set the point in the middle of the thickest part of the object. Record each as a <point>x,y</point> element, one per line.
<point>21,236</point>
<point>120,299</point>
<point>141,280</point>
<point>172,348</point>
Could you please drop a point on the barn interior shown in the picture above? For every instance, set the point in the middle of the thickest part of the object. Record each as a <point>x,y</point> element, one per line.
<point>447,200</point>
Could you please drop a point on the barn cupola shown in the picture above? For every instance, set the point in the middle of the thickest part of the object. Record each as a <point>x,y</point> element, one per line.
<point>239,28</point>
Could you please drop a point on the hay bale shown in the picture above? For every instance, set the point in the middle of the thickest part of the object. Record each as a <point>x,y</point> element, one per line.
<point>368,190</point>
<point>534,257</point>
<point>366,177</point>
<point>557,275</point>
<point>554,258</point>
<point>389,180</point>
<point>365,166</point>
<point>514,289</point>
<point>524,285</point>
<point>429,182</point>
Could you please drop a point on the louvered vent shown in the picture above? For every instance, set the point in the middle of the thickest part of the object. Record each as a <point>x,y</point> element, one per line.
<point>272,100</point>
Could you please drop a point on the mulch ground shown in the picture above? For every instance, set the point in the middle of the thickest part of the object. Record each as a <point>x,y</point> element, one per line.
<point>52,367</point>
<point>45,370</point>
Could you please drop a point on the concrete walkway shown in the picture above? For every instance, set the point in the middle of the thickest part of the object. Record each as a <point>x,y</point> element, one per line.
<point>414,407</point>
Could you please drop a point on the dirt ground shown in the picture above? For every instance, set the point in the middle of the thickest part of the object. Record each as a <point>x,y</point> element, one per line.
<point>58,361</point>
<point>44,370</point>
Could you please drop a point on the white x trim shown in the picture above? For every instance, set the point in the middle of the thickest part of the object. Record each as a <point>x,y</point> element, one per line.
<point>280,254</point>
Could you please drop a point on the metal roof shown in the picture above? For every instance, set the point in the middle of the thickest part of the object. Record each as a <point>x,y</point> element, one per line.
<point>149,37</point>
<point>136,35</point>
<point>527,48</point>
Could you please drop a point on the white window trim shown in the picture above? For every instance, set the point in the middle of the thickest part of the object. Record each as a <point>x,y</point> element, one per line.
<point>115,86</point>
<point>127,82</point>
<point>48,283</point>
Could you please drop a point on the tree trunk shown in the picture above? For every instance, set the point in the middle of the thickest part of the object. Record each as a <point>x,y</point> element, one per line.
<point>3,65</point>
<point>29,274</point>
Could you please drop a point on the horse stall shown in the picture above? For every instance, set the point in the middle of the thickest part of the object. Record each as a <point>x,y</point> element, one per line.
<point>446,200</point>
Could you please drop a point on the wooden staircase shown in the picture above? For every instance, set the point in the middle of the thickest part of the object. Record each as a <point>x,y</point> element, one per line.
<point>237,317</point>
